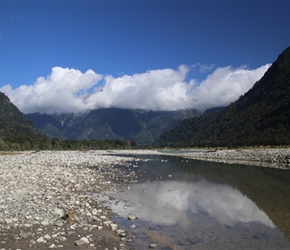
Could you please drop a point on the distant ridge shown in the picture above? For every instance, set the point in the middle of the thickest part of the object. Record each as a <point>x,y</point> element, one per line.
<point>259,117</point>
<point>140,126</point>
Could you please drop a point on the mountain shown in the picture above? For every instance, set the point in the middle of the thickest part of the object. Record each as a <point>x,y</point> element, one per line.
<point>259,117</point>
<point>213,110</point>
<point>16,131</point>
<point>141,126</point>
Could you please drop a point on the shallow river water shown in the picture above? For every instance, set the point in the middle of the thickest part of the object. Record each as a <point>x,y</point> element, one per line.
<point>190,204</point>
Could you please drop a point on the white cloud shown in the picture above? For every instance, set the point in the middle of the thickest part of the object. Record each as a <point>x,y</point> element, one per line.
<point>69,90</point>
<point>225,85</point>
<point>56,93</point>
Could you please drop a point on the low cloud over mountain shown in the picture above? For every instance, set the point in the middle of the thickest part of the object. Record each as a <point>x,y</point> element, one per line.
<point>70,90</point>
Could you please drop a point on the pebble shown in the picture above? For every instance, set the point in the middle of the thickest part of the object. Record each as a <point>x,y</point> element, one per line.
<point>132,217</point>
<point>40,239</point>
<point>79,242</point>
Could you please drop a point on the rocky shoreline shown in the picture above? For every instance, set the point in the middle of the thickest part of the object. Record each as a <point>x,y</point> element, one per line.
<point>54,199</point>
<point>267,157</point>
<point>273,158</point>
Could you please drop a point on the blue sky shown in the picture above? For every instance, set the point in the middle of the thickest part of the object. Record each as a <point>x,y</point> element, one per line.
<point>120,41</point>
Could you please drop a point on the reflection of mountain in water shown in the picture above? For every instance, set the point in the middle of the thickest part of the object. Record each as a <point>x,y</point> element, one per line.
<point>170,202</point>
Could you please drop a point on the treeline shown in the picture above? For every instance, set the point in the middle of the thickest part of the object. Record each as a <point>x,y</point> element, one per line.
<point>44,143</point>
<point>231,129</point>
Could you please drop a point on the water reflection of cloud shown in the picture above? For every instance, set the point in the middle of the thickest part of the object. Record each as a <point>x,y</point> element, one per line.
<point>171,202</point>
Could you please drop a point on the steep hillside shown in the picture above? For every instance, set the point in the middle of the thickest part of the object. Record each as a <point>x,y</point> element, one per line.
<point>259,117</point>
<point>16,132</point>
<point>141,126</point>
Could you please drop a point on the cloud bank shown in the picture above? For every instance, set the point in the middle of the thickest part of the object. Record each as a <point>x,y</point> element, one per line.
<point>70,90</point>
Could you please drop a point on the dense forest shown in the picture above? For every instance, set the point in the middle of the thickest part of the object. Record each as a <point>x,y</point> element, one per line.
<point>259,117</point>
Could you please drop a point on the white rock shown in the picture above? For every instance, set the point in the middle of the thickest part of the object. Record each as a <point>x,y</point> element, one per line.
<point>132,217</point>
<point>103,217</point>
<point>8,221</point>
<point>62,238</point>
<point>59,212</point>
<point>45,223</point>
<point>94,211</point>
<point>121,232</point>
<point>107,223</point>
<point>40,239</point>
<point>113,226</point>
<point>47,237</point>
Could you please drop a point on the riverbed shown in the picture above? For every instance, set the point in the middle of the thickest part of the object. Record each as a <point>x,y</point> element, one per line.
<point>144,198</point>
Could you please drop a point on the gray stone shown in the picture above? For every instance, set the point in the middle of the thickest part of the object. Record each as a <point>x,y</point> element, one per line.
<point>8,221</point>
<point>25,235</point>
<point>62,238</point>
<point>85,240</point>
<point>15,237</point>
<point>32,241</point>
<point>58,223</point>
<point>79,242</point>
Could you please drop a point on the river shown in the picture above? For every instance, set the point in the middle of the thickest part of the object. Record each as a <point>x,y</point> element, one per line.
<point>190,204</point>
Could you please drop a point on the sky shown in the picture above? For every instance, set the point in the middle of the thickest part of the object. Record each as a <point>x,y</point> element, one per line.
<point>75,56</point>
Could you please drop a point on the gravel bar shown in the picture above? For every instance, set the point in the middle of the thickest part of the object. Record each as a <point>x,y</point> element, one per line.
<point>273,158</point>
<point>50,200</point>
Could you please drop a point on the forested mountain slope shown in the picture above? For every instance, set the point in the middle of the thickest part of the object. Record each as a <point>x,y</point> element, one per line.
<point>141,126</point>
<point>259,117</point>
<point>16,131</point>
